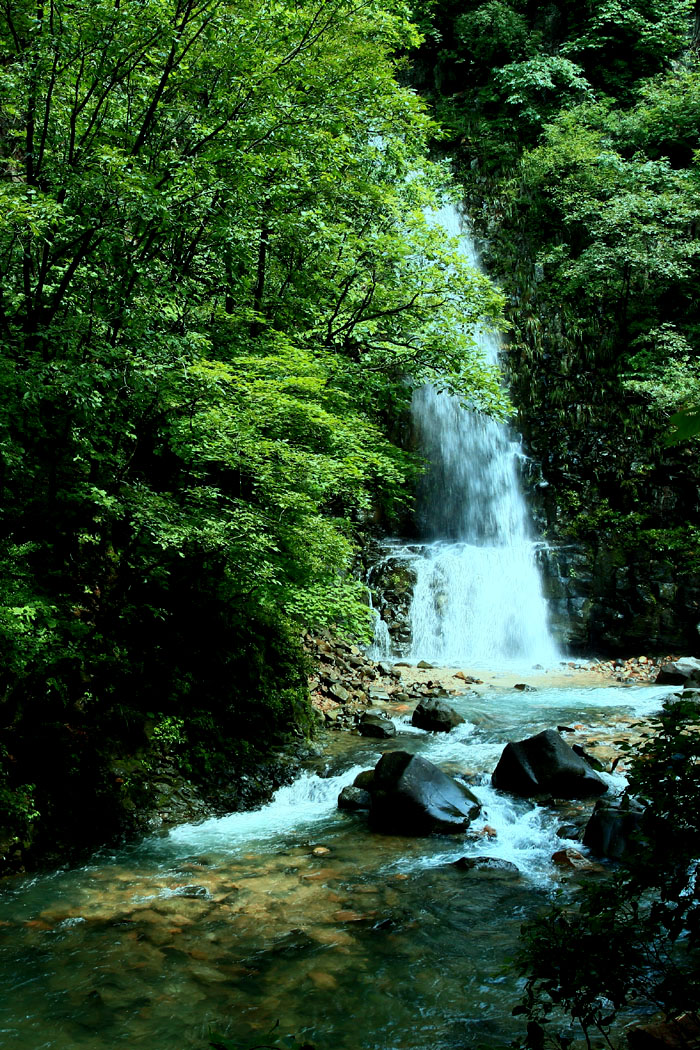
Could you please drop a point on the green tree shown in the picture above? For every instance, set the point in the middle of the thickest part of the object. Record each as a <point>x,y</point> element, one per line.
<point>218,276</point>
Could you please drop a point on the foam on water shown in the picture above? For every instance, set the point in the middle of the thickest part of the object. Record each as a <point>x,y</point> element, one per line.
<point>308,800</point>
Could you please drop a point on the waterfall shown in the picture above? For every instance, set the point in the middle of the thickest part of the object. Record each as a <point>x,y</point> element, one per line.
<point>477,597</point>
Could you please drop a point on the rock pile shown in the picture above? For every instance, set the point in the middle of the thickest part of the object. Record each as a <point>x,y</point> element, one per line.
<point>633,670</point>
<point>346,682</point>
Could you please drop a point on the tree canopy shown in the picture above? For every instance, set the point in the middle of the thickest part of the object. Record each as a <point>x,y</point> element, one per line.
<point>220,275</point>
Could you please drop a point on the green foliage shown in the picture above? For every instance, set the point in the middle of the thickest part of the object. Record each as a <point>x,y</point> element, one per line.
<point>17,803</point>
<point>219,278</point>
<point>632,941</point>
<point>538,87</point>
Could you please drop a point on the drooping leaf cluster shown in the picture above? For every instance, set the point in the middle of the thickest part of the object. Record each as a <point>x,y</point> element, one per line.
<point>218,272</point>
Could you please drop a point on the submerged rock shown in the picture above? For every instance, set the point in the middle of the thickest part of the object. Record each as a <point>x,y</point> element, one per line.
<point>572,860</point>
<point>411,796</point>
<point>545,764</point>
<point>435,716</point>
<point>488,866</point>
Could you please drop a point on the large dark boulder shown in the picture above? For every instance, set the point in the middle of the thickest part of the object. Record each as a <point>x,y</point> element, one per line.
<point>685,671</point>
<point>411,796</point>
<point>546,765</point>
<point>611,827</point>
<point>377,725</point>
<point>436,716</point>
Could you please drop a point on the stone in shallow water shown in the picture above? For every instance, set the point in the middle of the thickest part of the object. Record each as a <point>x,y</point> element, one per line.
<point>488,866</point>
<point>411,796</point>
<point>376,725</point>
<point>435,716</point>
<point>545,764</point>
<point>610,830</point>
<point>678,672</point>
<point>353,798</point>
<point>572,860</point>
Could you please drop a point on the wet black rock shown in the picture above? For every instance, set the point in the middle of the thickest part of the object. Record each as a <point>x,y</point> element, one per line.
<point>610,830</point>
<point>592,761</point>
<point>378,725</point>
<point>488,866</point>
<point>545,764</point>
<point>435,716</point>
<point>680,672</point>
<point>411,796</point>
<point>353,798</point>
<point>365,779</point>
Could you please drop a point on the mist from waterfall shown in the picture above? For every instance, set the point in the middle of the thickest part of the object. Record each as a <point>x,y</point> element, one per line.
<point>478,596</point>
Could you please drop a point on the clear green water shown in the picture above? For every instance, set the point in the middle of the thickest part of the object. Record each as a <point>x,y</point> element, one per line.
<point>234,924</point>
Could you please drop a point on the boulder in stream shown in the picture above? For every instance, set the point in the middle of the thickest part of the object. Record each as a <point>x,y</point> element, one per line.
<point>436,716</point>
<point>375,724</point>
<point>680,672</point>
<point>490,866</point>
<point>353,798</point>
<point>545,764</point>
<point>411,796</point>
<point>611,827</point>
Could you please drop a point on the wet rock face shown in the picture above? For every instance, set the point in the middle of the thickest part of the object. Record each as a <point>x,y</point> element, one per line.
<point>685,671</point>
<point>376,725</point>
<point>353,798</point>
<point>606,599</point>
<point>545,764</point>
<point>489,866</point>
<point>392,581</point>
<point>411,796</point>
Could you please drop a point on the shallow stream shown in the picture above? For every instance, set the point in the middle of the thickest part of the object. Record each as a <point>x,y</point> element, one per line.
<point>297,913</point>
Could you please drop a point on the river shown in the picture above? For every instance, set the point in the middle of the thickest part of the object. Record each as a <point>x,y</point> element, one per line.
<point>297,913</point>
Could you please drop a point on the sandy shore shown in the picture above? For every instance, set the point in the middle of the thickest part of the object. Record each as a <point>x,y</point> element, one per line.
<point>556,678</point>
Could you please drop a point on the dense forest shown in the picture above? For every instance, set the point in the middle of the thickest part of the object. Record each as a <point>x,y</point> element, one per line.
<point>217,275</point>
<point>222,276</point>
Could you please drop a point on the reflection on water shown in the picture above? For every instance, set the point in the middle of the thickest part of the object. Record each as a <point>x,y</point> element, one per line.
<point>298,913</point>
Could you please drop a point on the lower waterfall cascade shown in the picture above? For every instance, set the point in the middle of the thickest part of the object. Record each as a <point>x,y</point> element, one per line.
<point>477,596</point>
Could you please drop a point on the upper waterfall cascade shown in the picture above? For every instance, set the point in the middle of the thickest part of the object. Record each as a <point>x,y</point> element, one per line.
<point>477,597</point>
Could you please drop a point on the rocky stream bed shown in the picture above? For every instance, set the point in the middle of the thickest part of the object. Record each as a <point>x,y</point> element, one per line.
<point>300,912</point>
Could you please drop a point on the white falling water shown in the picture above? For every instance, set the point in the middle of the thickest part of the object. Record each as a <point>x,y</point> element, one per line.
<point>478,596</point>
